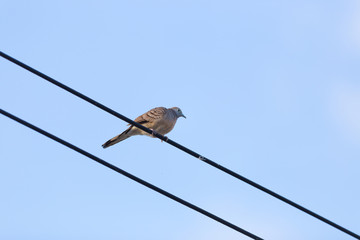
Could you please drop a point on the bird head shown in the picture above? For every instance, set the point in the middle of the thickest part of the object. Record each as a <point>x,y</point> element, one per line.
<point>178,112</point>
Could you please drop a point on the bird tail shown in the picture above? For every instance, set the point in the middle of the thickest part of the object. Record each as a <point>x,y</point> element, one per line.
<point>117,139</point>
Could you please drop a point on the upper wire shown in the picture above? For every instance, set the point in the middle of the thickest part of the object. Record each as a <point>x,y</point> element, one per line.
<point>177,145</point>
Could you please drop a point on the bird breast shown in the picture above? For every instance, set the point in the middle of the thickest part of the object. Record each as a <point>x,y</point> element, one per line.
<point>164,126</point>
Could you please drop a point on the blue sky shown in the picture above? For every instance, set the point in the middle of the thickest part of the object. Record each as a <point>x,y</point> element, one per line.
<point>270,89</point>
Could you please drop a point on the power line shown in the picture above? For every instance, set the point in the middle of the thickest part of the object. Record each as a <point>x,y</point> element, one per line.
<point>175,144</point>
<point>126,174</point>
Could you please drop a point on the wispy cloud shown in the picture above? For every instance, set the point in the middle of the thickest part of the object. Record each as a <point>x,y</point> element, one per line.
<point>352,27</point>
<point>345,107</point>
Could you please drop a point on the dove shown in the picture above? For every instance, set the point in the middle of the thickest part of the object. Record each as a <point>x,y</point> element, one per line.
<point>161,120</point>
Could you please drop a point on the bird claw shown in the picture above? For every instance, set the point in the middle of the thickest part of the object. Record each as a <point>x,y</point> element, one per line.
<point>154,133</point>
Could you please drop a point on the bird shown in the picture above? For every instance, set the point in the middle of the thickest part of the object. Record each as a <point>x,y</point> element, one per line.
<point>160,120</point>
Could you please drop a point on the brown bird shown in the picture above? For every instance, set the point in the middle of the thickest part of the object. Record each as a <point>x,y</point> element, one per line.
<point>161,120</point>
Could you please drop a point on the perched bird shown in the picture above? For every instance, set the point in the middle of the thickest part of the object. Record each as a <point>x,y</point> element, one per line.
<point>161,120</point>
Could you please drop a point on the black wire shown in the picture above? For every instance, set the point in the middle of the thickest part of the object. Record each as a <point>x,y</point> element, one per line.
<point>175,144</point>
<point>126,174</point>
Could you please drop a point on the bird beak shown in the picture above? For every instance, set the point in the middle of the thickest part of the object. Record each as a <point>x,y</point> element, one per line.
<point>183,115</point>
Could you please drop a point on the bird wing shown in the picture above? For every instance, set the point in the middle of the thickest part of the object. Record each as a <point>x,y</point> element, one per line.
<point>149,117</point>
<point>152,115</point>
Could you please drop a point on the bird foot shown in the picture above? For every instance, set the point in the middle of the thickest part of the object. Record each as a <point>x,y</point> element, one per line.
<point>153,132</point>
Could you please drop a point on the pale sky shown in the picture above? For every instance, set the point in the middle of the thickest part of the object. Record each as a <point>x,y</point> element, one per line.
<point>270,89</point>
